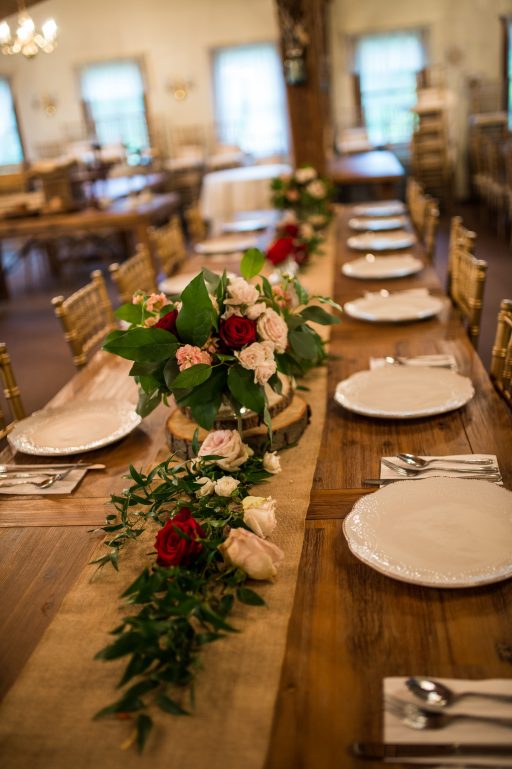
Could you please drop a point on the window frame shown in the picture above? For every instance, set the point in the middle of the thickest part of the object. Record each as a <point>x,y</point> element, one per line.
<point>140,61</point>
<point>506,49</point>
<point>9,80</point>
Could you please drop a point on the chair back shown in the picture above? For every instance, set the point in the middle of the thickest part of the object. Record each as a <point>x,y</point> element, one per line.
<point>168,244</point>
<point>466,277</point>
<point>430,225</point>
<point>11,393</point>
<point>196,226</point>
<point>134,274</point>
<point>501,360</point>
<point>424,213</point>
<point>86,317</point>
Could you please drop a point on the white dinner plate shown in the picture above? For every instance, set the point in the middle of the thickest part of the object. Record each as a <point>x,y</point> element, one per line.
<point>385,241</point>
<point>437,532</point>
<point>176,283</point>
<point>386,208</point>
<point>245,225</point>
<point>226,245</point>
<point>377,225</point>
<point>74,428</point>
<point>404,392</point>
<point>396,307</point>
<point>371,267</point>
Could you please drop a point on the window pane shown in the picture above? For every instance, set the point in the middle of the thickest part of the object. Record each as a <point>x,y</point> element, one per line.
<point>387,66</point>
<point>114,93</point>
<point>11,151</point>
<point>249,99</point>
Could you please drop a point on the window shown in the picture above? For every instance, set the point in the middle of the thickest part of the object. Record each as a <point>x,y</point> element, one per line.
<point>11,150</point>
<point>250,99</point>
<point>387,65</point>
<point>508,68</point>
<point>113,94</point>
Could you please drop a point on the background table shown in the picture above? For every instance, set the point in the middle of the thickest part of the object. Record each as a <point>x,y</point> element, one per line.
<point>379,170</point>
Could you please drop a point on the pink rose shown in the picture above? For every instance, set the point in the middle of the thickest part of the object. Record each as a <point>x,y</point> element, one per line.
<point>258,357</point>
<point>255,310</point>
<point>292,195</point>
<point>228,445</point>
<point>155,302</point>
<point>188,356</point>
<point>259,515</point>
<point>257,557</point>
<point>316,189</point>
<point>138,297</point>
<point>271,327</point>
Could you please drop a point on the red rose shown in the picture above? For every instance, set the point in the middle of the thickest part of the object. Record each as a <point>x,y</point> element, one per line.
<point>301,254</point>
<point>280,250</point>
<point>290,229</point>
<point>172,549</point>
<point>168,322</point>
<point>235,332</point>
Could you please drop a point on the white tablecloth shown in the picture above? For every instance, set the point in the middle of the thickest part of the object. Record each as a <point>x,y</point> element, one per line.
<point>237,189</point>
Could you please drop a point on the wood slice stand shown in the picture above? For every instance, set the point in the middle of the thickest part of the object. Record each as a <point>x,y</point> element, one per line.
<point>287,427</point>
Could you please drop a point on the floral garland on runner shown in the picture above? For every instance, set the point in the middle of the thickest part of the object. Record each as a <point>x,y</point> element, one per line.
<point>212,539</point>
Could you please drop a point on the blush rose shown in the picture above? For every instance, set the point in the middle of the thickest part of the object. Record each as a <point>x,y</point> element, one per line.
<point>257,557</point>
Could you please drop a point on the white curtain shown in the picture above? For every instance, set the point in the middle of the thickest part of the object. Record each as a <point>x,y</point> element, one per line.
<point>250,103</point>
<point>387,65</point>
<point>11,152</point>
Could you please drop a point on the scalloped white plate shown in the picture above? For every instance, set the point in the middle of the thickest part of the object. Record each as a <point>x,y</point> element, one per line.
<point>228,244</point>
<point>436,532</point>
<point>385,208</point>
<point>384,241</point>
<point>380,224</point>
<point>397,307</point>
<point>74,428</point>
<point>404,392</point>
<point>372,267</point>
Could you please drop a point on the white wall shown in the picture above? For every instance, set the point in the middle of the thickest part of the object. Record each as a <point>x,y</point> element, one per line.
<point>175,38</point>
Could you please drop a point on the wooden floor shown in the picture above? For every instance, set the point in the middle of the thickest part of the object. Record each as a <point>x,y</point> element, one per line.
<point>43,363</point>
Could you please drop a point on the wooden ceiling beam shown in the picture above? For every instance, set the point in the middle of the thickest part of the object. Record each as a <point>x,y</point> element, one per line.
<point>10,7</point>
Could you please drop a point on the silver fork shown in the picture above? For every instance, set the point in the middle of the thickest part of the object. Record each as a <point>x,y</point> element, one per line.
<point>416,717</point>
<point>413,471</point>
<point>40,484</point>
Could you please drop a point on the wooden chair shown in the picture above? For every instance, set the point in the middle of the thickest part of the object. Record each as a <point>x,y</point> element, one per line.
<point>430,225</point>
<point>168,244</point>
<point>424,213</point>
<point>466,277</point>
<point>501,360</point>
<point>11,393</point>
<point>196,226</point>
<point>86,317</point>
<point>135,274</point>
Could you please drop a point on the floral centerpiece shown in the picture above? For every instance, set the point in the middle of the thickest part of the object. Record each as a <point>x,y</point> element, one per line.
<point>294,244</point>
<point>225,339</point>
<point>306,194</point>
<point>212,536</point>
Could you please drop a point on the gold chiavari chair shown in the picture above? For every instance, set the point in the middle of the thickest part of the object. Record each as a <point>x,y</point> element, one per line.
<point>11,393</point>
<point>168,244</point>
<point>86,317</point>
<point>134,274</point>
<point>430,225</point>
<point>501,361</point>
<point>424,213</point>
<point>466,277</point>
<point>196,226</point>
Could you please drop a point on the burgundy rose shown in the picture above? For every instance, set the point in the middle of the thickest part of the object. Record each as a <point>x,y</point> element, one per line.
<point>172,548</point>
<point>301,253</point>
<point>236,332</point>
<point>280,250</point>
<point>168,322</point>
<point>290,229</point>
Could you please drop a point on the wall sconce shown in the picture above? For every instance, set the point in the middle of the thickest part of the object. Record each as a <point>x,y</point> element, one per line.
<point>47,103</point>
<point>179,88</point>
<point>295,42</point>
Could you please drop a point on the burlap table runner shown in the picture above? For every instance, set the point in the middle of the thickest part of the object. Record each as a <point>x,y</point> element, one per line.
<point>45,720</point>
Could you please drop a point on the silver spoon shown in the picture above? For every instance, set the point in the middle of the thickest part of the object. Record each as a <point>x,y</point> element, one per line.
<point>436,693</point>
<point>410,471</point>
<point>415,717</point>
<point>416,461</point>
<point>40,484</point>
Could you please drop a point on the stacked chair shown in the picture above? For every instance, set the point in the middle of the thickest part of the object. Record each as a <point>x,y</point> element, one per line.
<point>11,393</point>
<point>501,361</point>
<point>466,277</point>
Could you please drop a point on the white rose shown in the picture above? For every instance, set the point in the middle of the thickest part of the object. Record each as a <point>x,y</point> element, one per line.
<point>228,445</point>
<point>257,557</point>
<point>229,311</point>
<point>258,357</point>
<point>207,487</point>
<point>255,310</point>
<point>306,231</point>
<point>241,292</point>
<point>304,175</point>
<point>316,189</point>
<point>225,486</point>
<point>272,462</point>
<point>259,515</point>
<point>317,220</point>
<point>272,327</point>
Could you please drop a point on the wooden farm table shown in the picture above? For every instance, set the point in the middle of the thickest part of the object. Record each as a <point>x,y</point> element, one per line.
<point>350,626</point>
<point>379,169</point>
<point>125,215</point>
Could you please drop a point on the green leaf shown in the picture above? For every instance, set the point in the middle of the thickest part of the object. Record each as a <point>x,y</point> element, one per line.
<point>302,294</point>
<point>211,279</point>
<point>267,288</point>
<point>303,345</point>
<point>147,402</point>
<point>252,262</point>
<point>142,344</point>
<point>171,371</point>
<point>143,726</point>
<point>267,419</point>
<point>276,384</point>
<point>242,385</point>
<point>329,301</point>
<point>193,376</point>
<point>205,399</point>
<point>317,315</point>
<point>123,645</point>
<point>248,596</point>
<point>168,705</point>
<point>194,321</point>
<point>132,313</point>
<point>195,442</point>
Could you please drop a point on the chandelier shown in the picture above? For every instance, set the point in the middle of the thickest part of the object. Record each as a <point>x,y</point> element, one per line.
<point>27,40</point>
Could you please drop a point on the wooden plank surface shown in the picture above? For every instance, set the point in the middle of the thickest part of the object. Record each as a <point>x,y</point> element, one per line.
<point>372,167</point>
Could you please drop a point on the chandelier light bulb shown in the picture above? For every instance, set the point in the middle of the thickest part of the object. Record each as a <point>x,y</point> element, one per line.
<point>50,30</point>
<point>5,33</point>
<point>27,40</point>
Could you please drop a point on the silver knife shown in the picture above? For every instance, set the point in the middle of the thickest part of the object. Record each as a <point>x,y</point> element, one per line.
<point>378,751</point>
<point>385,481</point>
